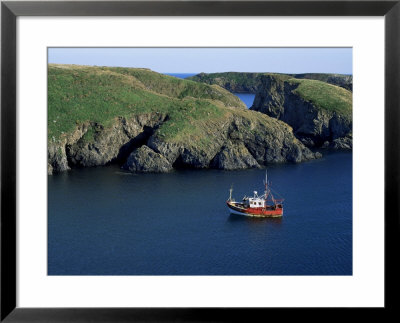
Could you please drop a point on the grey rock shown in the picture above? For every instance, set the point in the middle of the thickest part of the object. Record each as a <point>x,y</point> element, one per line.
<point>91,144</point>
<point>234,157</point>
<point>344,143</point>
<point>171,151</point>
<point>318,155</point>
<point>312,125</point>
<point>56,158</point>
<point>269,140</point>
<point>105,145</point>
<point>241,140</point>
<point>146,160</point>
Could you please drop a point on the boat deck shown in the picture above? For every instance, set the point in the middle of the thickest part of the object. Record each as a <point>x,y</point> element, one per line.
<point>269,211</point>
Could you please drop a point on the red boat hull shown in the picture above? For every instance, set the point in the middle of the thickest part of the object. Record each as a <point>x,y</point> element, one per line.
<point>257,212</point>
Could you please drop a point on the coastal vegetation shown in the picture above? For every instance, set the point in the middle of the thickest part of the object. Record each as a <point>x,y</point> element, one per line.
<point>317,106</point>
<point>241,82</point>
<point>324,96</point>
<point>77,94</point>
<point>147,121</point>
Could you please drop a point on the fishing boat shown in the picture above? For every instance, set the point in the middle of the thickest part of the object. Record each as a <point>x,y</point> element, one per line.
<point>258,205</point>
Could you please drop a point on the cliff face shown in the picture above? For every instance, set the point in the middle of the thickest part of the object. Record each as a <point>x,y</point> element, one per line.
<point>232,81</point>
<point>148,122</point>
<point>240,82</point>
<point>240,141</point>
<point>317,122</point>
<point>91,144</point>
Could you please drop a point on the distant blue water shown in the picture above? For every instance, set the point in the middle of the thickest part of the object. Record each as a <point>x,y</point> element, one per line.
<point>247,98</point>
<point>181,75</point>
<point>103,221</point>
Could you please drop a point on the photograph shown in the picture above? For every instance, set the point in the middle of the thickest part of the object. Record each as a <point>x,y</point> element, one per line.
<point>194,160</point>
<point>188,161</point>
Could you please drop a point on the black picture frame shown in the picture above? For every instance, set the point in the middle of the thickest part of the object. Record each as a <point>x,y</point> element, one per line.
<point>10,10</point>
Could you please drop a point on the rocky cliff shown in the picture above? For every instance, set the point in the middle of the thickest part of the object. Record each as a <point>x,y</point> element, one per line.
<point>319,113</point>
<point>241,82</point>
<point>235,82</point>
<point>148,122</point>
<point>240,140</point>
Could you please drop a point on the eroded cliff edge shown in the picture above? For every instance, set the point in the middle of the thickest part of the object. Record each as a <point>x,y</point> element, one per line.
<point>234,142</point>
<point>148,122</point>
<point>319,113</point>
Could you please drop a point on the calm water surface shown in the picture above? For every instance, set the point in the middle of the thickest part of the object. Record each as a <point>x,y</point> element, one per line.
<point>181,75</point>
<point>104,221</point>
<point>247,98</point>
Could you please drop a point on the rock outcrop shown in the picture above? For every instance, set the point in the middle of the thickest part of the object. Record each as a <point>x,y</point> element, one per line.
<point>115,142</point>
<point>146,160</point>
<point>92,144</point>
<point>245,140</point>
<point>314,125</point>
<point>234,156</point>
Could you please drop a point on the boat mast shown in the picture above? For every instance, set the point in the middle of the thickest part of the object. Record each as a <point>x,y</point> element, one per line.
<point>266,185</point>
<point>266,180</point>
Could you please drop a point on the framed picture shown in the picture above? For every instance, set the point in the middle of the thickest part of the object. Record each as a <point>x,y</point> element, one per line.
<point>205,82</point>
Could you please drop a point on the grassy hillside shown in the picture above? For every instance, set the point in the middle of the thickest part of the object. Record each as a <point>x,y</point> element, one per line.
<point>324,95</point>
<point>78,94</point>
<point>342,80</point>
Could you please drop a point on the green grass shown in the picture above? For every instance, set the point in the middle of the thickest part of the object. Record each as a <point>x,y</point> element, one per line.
<point>89,135</point>
<point>196,111</point>
<point>175,87</point>
<point>324,95</point>
<point>79,94</point>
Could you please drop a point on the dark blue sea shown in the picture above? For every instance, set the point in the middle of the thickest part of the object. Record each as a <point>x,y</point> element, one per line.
<point>104,221</point>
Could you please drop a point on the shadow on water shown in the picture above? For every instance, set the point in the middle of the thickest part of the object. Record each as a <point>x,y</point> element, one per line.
<point>259,230</point>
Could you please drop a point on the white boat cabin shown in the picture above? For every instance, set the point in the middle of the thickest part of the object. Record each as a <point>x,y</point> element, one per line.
<point>255,201</point>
